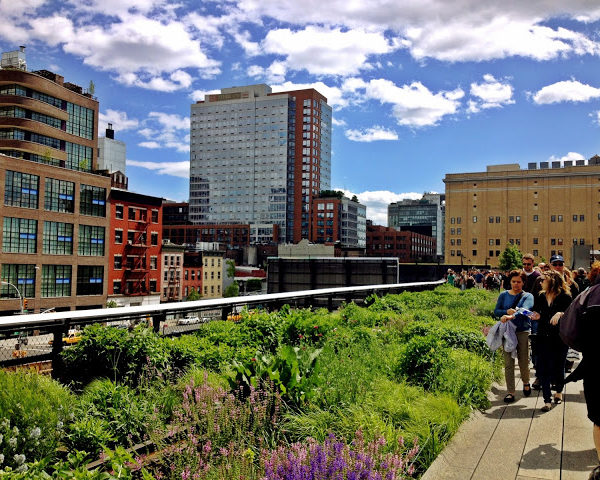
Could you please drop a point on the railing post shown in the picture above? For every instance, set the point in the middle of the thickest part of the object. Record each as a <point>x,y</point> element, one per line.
<point>156,319</point>
<point>57,348</point>
<point>330,302</point>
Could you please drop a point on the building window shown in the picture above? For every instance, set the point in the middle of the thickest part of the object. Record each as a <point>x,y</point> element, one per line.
<point>581,218</point>
<point>458,219</point>
<point>20,275</point>
<point>91,240</point>
<point>459,231</point>
<point>452,220</point>
<point>518,219</point>
<point>497,219</point>
<point>92,201</point>
<point>118,262</point>
<point>535,253</point>
<point>59,196</point>
<point>131,213</point>
<point>474,241</point>
<point>153,263</point>
<point>491,220</point>
<point>535,240</point>
<point>205,290</point>
<point>553,218</point>
<point>452,231</point>
<point>153,238</point>
<point>21,190</point>
<point>90,280</point>
<point>497,241</point>
<point>58,238</point>
<point>130,237</point>
<point>153,286</point>
<point>511,219</point>
<point>474,253</point>
<point>56,281</point>
<point>185,275</point>
<point>154,216</point>
<point>19,235</point>
<point>119,212</point>
<point>574,218</point>
<point>474,219</point>
<point>116,287</point>
<point>118,236</point>
<point>491,241</point>
<point>491,253</point>
<point>560,218</point>
<point>553,241</point>
<point>535,218</point>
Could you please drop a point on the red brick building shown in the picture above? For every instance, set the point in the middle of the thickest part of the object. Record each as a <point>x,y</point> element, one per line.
<point>336,218</point>
<point>134,261</point>
<point>407,246</point>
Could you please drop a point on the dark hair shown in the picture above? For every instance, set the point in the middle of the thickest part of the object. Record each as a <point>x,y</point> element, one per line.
<point>556,283</point>
<point>517,273</point>
<point>595,474</point>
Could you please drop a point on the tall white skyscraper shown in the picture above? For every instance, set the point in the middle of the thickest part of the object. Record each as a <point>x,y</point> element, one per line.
<point>259,157</point>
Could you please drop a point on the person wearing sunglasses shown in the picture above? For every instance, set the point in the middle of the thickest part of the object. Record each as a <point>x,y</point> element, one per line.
<point>533,285</point>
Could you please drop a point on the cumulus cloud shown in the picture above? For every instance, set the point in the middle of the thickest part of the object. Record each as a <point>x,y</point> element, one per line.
<point>199,95</point>
<point>327,51</point>
<point>119,120</point>
<point>338,122</point>
<point>166,130</point>
<point>377,202</point>
<point>596,116</point>
<point>175,169</point>
<point>371,134</point>
<point>274,73</point>
<point>566,91</point>
<point>413,105</point>
<point>490,93</point>
<point>569,156</point>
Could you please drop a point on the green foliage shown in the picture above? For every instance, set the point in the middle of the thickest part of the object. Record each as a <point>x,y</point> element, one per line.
<point>33,409</point>
<point>193,295</point>
<point>115,353</point>
<point>353,315</point>
<point>254,285</point>
<point>262,330</point>
<point>230,270</point>
<point>331,194</point>
<point>190,350</point>
<point>510,259</point>
<point>290,372</point>
<point>303,326</point>
<point>232,290</point>
<point>422,360</point>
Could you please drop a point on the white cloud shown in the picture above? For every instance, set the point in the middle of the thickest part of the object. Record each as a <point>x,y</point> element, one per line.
<point>596,116</point>
<point>413,105</point>
<point>566,91</point>
<point>274,73</point>
<point>371,134</point>
<point>166,130</point>
<point>377,202</point>
<point>338,122</point>
<point>491,93</point>
<point>175,169</point>
<point>119,120</point>
<point>334,95</point>
<point>327,51</point>
<point>569,156</point>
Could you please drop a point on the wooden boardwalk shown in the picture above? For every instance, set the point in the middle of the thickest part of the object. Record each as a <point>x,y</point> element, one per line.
<point>520,442</point>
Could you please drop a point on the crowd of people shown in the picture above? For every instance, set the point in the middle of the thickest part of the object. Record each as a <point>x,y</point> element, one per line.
<point>542,311</point>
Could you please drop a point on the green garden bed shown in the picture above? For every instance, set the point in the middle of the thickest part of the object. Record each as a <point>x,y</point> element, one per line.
<point>378,389</point>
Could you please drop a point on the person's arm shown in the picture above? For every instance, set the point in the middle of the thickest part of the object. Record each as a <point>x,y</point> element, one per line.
<point>526,301</point>
<point>500,309</point>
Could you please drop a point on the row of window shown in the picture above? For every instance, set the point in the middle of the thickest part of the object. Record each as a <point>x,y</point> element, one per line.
<point>135,214</point>
<point>517,219</point>
<point>22,190</point>
<point>56,280</point>
<point>135,237</point>
<point>19,235</point>
<point>133,286</point>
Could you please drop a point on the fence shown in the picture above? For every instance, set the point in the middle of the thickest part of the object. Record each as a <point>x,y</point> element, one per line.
<point>38,339</point>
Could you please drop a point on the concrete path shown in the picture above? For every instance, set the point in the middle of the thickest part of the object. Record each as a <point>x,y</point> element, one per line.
<point>519,442</point>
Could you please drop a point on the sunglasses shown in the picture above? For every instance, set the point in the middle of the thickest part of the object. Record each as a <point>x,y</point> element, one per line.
<point>557,264</point>
<point>527,264</point>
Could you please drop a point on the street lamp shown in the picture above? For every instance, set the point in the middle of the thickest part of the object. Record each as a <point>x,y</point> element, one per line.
<point>18,293</point>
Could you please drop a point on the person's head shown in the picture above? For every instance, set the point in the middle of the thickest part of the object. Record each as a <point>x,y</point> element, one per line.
<point>594,272</point>
<point>528,262</point>
<point>581,272</point>
<point>517,280</point>
<point>554,283</point>
<point>557,263</point>
<point>544,267</point>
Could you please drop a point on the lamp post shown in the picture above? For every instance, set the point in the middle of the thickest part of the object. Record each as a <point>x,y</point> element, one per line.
<point>18,293</point>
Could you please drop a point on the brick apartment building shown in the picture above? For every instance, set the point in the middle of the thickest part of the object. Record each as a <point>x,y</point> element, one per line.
<point>407,246</point>
<point>135,248</point>
<point>336,218</point>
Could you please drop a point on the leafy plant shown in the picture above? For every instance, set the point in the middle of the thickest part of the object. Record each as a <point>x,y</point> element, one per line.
<point>422,360</point>
<point>510,258</point>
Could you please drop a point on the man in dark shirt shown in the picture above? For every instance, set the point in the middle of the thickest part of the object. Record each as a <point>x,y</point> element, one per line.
<point>533,283</point>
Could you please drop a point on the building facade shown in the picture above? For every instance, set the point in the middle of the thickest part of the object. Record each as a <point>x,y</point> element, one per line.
<point>111,153</point>
<point>407,246</point>
<point>258,157</point>
<point>336,219</point>
<point>424,216</point>
<point>54,235</point>
<point>543,211</point>
<point>212,274</point>
<point>172,272</point>
<point>135,248</point>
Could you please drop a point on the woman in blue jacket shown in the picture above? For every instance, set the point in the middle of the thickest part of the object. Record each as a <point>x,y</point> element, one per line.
<point>506,310</point>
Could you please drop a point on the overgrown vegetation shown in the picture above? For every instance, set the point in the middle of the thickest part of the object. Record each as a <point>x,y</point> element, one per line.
<point>273,393</point>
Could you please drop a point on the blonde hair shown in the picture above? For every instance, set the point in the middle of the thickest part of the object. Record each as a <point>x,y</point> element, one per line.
<point>556,283</point>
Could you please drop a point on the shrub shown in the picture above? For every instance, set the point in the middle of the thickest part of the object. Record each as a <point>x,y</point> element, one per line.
<point>190,350</point>
<point>422,360</point>
<point>304,326</point>
<point>263,329</point>
<point>33,409</point>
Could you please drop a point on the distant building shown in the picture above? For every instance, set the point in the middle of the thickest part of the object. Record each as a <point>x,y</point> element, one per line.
<point>407,246</point>
<point>192,273</point>
<point>135,248</point>
<point>111,153</point>
<point>176,213</point>
<point>258,157</point>
<point>213,266</point>
<point>545,210</point>
<point>172,272</point>
<point>339,219</point>
<point>424,216</point>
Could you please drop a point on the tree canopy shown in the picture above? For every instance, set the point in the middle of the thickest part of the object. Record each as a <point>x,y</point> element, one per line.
<point>511,258</point>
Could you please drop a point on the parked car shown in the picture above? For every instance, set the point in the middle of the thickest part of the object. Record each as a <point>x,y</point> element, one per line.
<point>189,319</point>
<point>73,337</point>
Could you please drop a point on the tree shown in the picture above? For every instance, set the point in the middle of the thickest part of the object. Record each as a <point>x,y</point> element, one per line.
<point>232,290</point>
<point>253,285</point>
<point>354,198</point>
<point>92,88</point>
<point>230,268</point>
<point>193,295</point>
<point>510,259</point>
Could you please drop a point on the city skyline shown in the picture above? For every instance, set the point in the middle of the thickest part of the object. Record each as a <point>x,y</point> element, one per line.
<point>475,84</point>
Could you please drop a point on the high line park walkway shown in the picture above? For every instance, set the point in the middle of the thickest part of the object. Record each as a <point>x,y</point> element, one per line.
<point>520,442</point>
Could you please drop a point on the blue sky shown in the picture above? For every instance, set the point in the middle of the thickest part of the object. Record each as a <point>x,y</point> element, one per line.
<point>420,88</point>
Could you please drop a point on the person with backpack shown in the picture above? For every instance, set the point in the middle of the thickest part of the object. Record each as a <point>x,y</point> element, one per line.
<point>506,310</point>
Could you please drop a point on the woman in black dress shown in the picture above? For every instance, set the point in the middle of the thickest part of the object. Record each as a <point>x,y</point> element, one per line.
<point>548,307</point>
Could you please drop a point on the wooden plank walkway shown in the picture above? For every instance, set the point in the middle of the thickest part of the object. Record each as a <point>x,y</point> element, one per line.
<point>520,442</point>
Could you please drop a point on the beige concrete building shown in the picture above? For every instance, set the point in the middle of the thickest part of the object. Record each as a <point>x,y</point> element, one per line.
<point>543,211</point>
<point>212,271</point>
